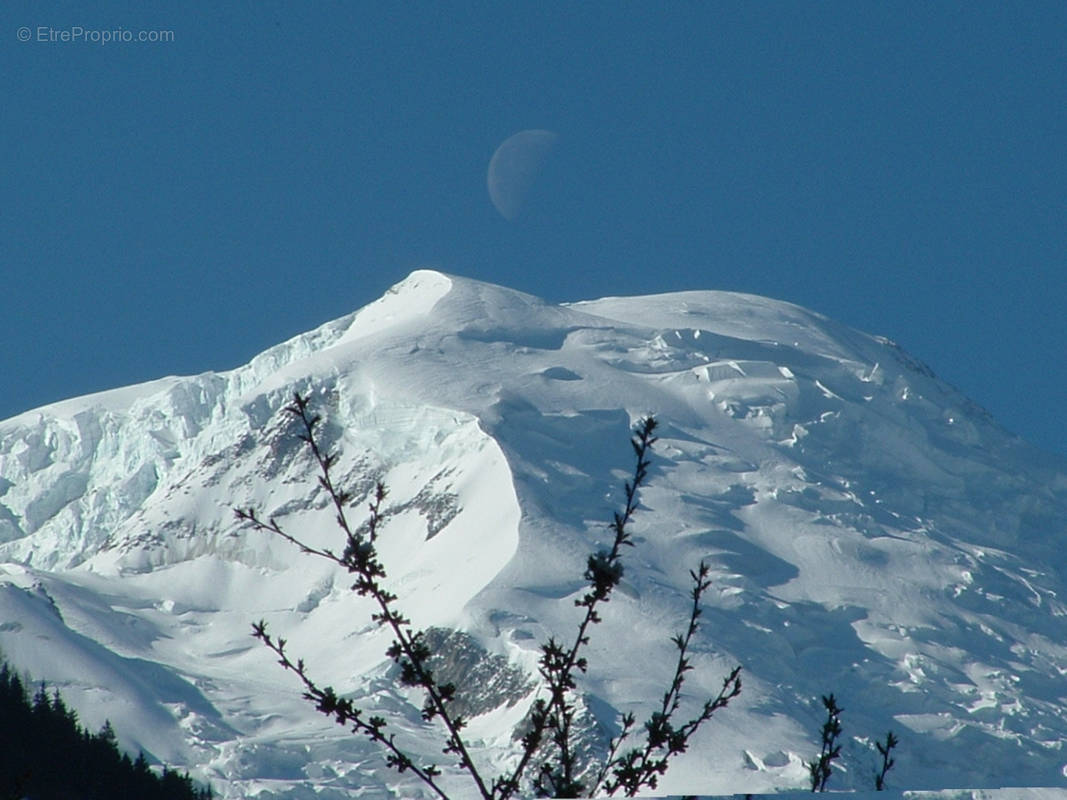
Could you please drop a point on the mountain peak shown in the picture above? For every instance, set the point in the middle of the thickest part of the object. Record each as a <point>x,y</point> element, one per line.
<point>870,532</point>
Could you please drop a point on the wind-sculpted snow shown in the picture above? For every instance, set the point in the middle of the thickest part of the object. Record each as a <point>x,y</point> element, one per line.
<point>870,530</point>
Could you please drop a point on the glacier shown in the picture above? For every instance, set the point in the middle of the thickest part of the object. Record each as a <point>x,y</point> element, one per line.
<point>871,532</point>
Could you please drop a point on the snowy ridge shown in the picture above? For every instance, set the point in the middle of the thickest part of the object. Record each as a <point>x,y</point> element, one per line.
<point>871,532</point>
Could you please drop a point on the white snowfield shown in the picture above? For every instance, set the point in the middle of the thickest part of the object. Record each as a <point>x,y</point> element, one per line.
<point>870,531</point>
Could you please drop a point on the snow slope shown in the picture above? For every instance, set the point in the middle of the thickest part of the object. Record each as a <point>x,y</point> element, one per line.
<point>871,532</point>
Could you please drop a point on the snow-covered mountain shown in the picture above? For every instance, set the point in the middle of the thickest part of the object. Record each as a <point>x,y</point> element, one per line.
<point>871,533</point>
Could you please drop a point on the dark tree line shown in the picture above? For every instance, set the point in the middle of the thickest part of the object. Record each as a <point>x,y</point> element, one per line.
<point>46,754</point>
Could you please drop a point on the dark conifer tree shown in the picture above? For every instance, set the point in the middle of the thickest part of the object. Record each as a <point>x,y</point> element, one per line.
<point>46,754</point>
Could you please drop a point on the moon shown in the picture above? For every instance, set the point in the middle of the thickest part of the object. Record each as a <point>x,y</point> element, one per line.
<point>514,168</point>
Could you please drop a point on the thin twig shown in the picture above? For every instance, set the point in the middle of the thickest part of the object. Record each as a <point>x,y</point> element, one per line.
<point>639,768</point>
<point>344,712</point>
<point>604,571</point>
<point>360,558</point>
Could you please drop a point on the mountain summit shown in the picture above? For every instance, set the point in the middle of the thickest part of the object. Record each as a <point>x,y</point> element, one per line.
<point>871,533</point>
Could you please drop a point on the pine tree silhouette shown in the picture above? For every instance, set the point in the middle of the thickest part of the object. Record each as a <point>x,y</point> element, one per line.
<point>39,733</point>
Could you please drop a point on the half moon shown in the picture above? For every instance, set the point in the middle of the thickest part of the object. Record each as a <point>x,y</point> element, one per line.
<point>514,168</point>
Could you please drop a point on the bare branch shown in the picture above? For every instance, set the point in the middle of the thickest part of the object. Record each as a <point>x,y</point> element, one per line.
<point>641,767</point>
<point>345,713</point>
<point>361,559</point>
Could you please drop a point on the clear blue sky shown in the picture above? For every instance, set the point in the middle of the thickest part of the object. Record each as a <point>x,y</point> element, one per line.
<point>179,206</point>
